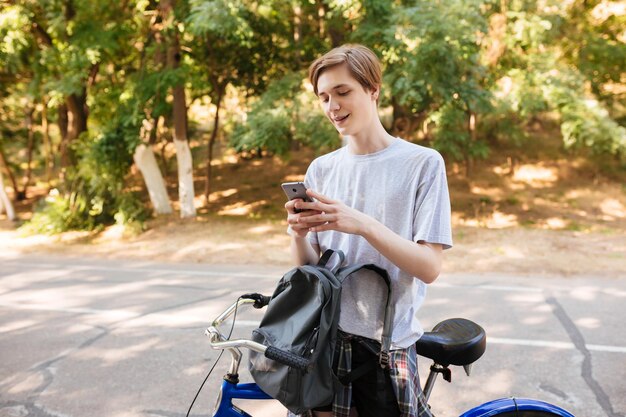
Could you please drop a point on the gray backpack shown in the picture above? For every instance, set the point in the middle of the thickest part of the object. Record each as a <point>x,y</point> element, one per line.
<point>302,317</point>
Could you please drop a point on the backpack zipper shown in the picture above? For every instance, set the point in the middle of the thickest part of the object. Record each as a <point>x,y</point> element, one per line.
<point>311,342</point>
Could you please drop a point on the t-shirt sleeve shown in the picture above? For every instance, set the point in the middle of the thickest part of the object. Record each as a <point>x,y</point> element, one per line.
<point>431,221</point>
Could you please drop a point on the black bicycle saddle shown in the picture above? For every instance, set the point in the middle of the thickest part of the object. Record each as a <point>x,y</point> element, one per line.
<point>453,342</point>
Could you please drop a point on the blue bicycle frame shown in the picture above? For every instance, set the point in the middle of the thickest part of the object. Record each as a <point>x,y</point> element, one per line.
<point>251,391</point>
<point>504,405</point>
<point>230,391</point>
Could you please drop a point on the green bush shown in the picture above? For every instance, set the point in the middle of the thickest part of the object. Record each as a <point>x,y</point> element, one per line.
<point>452,136</point>
<point>95,196</point>
<point>59,213</point>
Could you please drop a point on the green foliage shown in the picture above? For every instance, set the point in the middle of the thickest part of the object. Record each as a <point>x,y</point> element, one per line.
<point>503,125</point>
<point>285,112</point>
<point>222,17</point>
<point>313,129</point>
<point>433,55</point>
<point>431,51</point>
<point>59,213</point>
<point>15,42</point>
<point>601,61</point>
<point>84,210</point>
<point>104,161</point>
<point>585,122</point>
<point>452,136</point>
<point>559,59</point>
<point>522,92</point>
<point>265,129</point>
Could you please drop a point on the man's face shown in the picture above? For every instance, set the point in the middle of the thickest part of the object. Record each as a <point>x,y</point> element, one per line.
<point>345,102</point>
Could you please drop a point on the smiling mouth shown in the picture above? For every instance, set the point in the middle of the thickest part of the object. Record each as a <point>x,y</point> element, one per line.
<point>341,119</point>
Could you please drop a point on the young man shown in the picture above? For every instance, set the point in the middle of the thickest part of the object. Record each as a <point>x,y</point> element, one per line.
<point>380,200</point>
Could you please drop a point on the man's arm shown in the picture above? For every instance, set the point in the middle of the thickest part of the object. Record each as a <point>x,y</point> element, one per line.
<point>421,260</point>
<point>302,251</point>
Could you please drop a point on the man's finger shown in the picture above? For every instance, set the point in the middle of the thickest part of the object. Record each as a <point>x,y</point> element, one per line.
<point>299,226</point>
<point>319,197</point>
<point>309,212</point>
<point>316,206</point>
<point>321,228</point>
<point>319,218</point>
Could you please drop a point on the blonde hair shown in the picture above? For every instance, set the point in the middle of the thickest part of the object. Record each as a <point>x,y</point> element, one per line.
<point>362,63</point>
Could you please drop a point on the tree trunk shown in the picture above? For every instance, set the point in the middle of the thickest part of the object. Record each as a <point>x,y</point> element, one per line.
<point>4,163</point>
<point>5,202</point>
<point>49,154</point>
<point>185,179</point>
<point>65,151</point>
<point>186,193</point>
<point>471,127</point>
<point>62,122</point>
<point>216,123</point>
<point>146,162</point>
<point>76,124</point>
<point>152,137</point>
<point>29,155</point>
<point>405,124</point>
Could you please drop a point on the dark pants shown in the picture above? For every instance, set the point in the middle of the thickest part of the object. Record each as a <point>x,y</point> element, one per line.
<point>372,394</point>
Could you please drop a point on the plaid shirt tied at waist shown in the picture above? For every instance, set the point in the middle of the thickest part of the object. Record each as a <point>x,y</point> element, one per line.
<point>404,377</point>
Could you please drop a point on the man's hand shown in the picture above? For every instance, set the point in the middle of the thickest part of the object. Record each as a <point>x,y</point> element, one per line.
<point>329,214</point>
<point>299,227</point>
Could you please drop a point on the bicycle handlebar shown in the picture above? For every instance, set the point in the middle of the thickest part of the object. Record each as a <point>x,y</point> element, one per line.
<point>218,341</point>
<point>270,352</point>
<point>287,358</point>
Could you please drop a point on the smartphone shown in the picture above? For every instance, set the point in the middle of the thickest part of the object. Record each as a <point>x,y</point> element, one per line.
<point>295,190</point>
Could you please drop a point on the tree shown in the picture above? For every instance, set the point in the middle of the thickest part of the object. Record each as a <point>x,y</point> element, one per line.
<point>248,45</point>
<point>186,191</point>
<point>148,92</point>
<point>545,66</point>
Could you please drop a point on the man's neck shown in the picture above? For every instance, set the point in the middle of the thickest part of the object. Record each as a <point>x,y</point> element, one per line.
<point>370,142</point>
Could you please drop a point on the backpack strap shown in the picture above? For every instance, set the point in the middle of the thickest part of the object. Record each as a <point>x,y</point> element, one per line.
<point>327,255</point>
<point>385,343</point>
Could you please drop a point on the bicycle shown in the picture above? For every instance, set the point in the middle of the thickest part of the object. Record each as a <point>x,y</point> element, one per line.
<point>458,342</point>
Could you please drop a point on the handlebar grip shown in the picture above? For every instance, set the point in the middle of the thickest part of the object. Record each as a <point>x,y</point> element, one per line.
<point>265,300</point>
<point>260,300</point>
<point>287,358</point>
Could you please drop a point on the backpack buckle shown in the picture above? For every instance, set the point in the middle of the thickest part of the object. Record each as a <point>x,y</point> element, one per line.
<point>383,359</point>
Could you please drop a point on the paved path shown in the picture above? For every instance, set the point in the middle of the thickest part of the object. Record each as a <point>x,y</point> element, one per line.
<point>94,338</point>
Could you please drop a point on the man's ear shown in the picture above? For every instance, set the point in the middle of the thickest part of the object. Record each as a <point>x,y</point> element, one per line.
<point>375,92</point>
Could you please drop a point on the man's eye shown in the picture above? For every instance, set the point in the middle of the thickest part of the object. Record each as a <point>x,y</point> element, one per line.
<point>324,99</point>
<point>343,93</point>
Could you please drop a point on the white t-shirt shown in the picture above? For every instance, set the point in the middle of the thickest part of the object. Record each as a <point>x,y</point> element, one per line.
<point>404,187</point>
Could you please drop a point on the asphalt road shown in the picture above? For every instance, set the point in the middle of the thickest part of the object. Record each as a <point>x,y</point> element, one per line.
<point>96,338</point>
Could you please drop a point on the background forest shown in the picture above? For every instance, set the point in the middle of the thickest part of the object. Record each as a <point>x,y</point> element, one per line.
<point>114,111</point>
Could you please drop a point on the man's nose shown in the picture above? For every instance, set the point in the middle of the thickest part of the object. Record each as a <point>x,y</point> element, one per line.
<point>333,104</point>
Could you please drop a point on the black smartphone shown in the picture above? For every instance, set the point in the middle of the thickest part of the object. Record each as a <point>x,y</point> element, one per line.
<point>295,190</point>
